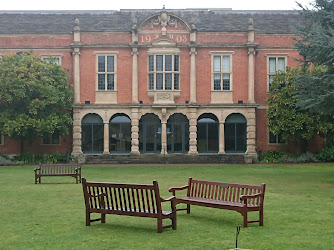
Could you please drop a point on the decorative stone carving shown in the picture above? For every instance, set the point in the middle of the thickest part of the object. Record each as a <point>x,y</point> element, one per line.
<point>164,20</point>
<point>163,97</point>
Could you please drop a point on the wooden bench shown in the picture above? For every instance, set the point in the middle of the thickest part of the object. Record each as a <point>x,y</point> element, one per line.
<point>141,200</point>
<point>73,170</point>
<point>239,197</point>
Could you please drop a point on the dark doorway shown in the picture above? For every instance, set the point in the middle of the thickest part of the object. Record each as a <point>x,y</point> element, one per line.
<point>150,134</point>
<point>120,134</point>
<point>235,134</point>
<point>178,134</point>
<point>207,134</point>
<point>92,134</point>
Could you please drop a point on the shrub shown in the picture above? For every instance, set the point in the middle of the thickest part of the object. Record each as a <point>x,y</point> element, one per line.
<point>273,156</point>
<point>41,158</point>
<point>326,154</point>
<point>306,157</point>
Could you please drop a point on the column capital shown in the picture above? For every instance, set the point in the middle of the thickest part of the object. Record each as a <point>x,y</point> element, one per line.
<point>193,51</point>
<point>75,52</point>
<point>135,52</point>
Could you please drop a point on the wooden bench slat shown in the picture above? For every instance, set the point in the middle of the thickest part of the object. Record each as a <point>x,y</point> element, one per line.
<point>73,170</point>
<point>126,199</point>
<point>225,196</point>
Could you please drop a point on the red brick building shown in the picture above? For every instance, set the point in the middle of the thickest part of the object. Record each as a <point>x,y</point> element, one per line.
<point>182,83</point>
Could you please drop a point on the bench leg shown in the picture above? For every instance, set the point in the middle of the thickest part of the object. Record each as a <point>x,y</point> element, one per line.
<point>245,219</point>
<point>188,209</point>
<point>159,225</point>
<point>87,218</point>
<point>261,217</point>
<point>174,224</point>
<point>103,218</point>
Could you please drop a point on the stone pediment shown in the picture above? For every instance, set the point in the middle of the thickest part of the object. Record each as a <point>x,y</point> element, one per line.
<point>164,21</point>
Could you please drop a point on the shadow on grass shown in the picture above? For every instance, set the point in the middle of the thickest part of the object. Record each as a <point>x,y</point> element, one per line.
<point>122,226</point>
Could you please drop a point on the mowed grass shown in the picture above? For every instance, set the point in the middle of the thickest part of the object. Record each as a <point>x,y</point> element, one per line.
<point>298,210</point>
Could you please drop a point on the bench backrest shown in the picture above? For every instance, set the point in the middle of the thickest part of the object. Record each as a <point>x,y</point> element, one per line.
<point>123,198</point>
<point>224,191</point>
<point>59,168</point>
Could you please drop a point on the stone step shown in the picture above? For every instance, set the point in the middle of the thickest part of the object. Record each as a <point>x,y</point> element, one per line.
<point>164,159</point>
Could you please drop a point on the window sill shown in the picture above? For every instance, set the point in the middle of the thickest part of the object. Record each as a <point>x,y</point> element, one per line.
<point>164,96</point>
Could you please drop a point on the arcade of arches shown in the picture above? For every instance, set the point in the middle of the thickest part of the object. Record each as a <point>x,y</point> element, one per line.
<point>166,133</point>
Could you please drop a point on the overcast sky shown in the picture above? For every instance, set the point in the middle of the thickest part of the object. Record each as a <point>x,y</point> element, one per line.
<point>151,4</point>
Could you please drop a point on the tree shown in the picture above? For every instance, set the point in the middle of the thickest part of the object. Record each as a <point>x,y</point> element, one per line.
<point>35,97</point>
<point>315,41</point>
<point>285,117</point>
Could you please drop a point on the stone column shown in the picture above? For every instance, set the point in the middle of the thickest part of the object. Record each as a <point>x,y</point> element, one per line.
<point>164,137</point>
<point>134,75</point>
<point>106,138</point>
<point>76,151</point>
<point>193,54</point>
<point>251,55</point>
<point>193,132</point>
<point>135,132</point>
<point>251,132</point>
<point>251,75</point>
<point>221,138</point>
<point>163,131</point>
<point>76,54</point>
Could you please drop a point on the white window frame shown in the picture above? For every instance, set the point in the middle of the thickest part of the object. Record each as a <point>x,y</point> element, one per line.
<point>277,55</point>
<point>97,73</point>
<point>154,72</point>
<point>57,56</point>
<point>51,141</point>
<point>221,54</point>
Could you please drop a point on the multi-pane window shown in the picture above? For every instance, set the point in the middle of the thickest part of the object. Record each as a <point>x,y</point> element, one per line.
<point>164,72</point>
<point>52,139</point>
<point>275,63</point>
<point>106,72</point>
<point>275,139</point>
<point>221,72</point>
<point>52,58</point>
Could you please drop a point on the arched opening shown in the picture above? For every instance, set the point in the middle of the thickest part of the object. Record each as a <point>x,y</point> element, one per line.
<point>120,134</point>
<point>177,134</point>
<point>150,134</point>
<point>207,134</point>
<point>235,134</point>
<point>92,134</point>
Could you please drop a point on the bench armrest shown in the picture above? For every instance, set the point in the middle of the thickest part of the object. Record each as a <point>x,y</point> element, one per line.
<point>173,189</point>
<point>243,198</point>
<point>172,198</point>
<point>37,169</point>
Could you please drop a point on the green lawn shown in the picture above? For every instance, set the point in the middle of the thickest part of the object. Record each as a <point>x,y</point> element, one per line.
<point>298,210</point>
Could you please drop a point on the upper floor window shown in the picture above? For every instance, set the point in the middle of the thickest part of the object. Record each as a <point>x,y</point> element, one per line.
<point>164,72</point>
<point>221,70</point>
<point>275,63</point>
<point>52,139</point>
<point>106,71</point>
<point>52,58</point>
